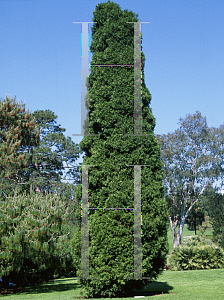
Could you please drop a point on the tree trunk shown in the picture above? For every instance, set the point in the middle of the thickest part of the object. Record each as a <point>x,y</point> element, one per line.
<point>177,236</point>
<point>176,239</point>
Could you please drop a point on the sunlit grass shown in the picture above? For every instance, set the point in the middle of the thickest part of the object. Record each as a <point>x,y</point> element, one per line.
<point>181,285</point>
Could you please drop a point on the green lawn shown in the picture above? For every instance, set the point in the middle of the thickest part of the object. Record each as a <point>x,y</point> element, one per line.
<point>181,285</point>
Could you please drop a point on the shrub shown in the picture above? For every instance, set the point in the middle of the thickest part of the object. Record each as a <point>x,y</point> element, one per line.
<point>196,253</point>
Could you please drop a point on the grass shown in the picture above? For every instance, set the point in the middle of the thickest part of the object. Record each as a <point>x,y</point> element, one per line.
<point>64,289</point>
<point>181,285</point>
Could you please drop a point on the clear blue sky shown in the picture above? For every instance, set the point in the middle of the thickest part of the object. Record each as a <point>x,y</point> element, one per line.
<point>40,57</point>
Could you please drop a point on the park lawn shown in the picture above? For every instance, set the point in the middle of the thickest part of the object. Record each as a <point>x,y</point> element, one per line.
<point>200,284</point>
<point>181,285</point>
<point>191,285</point>
<point>67,288</point>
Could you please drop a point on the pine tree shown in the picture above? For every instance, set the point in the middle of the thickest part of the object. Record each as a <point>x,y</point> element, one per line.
<point>17,132</point>
<point>27,162</point>
<point>111,181</point>
<point>54,155</point>
<point>30,233</point>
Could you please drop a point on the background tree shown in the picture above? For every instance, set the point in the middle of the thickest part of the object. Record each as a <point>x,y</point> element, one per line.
<point>54,157</point>
<point>214,203</point>
<point>66,265</point>
<point>195,217</point>
<point>206,224</point>
<point>18,132</point>
<point>52,161</point>
<point>43,164</point>
<point>192,157</point>
<point>111,182</point>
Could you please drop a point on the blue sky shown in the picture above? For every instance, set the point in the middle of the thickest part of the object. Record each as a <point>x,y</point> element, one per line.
<point>40,57</point>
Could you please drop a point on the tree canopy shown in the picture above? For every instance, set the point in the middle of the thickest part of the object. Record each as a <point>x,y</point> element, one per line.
<point>35,155</point>
<point>54,156</point>
<point>192,157</point>
<point>18,131</point>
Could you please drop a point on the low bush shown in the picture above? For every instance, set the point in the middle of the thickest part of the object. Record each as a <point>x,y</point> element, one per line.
<point>196,253</point>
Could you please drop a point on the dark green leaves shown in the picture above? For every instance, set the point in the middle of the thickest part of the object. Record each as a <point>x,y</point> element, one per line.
<point>111,181</point>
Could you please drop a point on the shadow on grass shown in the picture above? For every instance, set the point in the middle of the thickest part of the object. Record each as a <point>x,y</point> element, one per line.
<point>154,288</point>
<point>151,289</point>
<point>52,286</point>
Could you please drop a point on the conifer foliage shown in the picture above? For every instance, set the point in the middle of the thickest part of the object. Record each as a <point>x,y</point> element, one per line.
<point>17,131</point>
<point>30,232</point>
<point>111,181</point>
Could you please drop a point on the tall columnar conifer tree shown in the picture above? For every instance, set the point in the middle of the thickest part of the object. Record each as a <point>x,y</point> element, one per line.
<point>111,181</point>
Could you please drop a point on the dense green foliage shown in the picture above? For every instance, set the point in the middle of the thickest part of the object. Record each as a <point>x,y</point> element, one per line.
<point>196,253</point>
<point>111,182</point>
<point>18,131</point>
<point>30,231</point>
<point>214,204</point>
<point>34,154</point>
